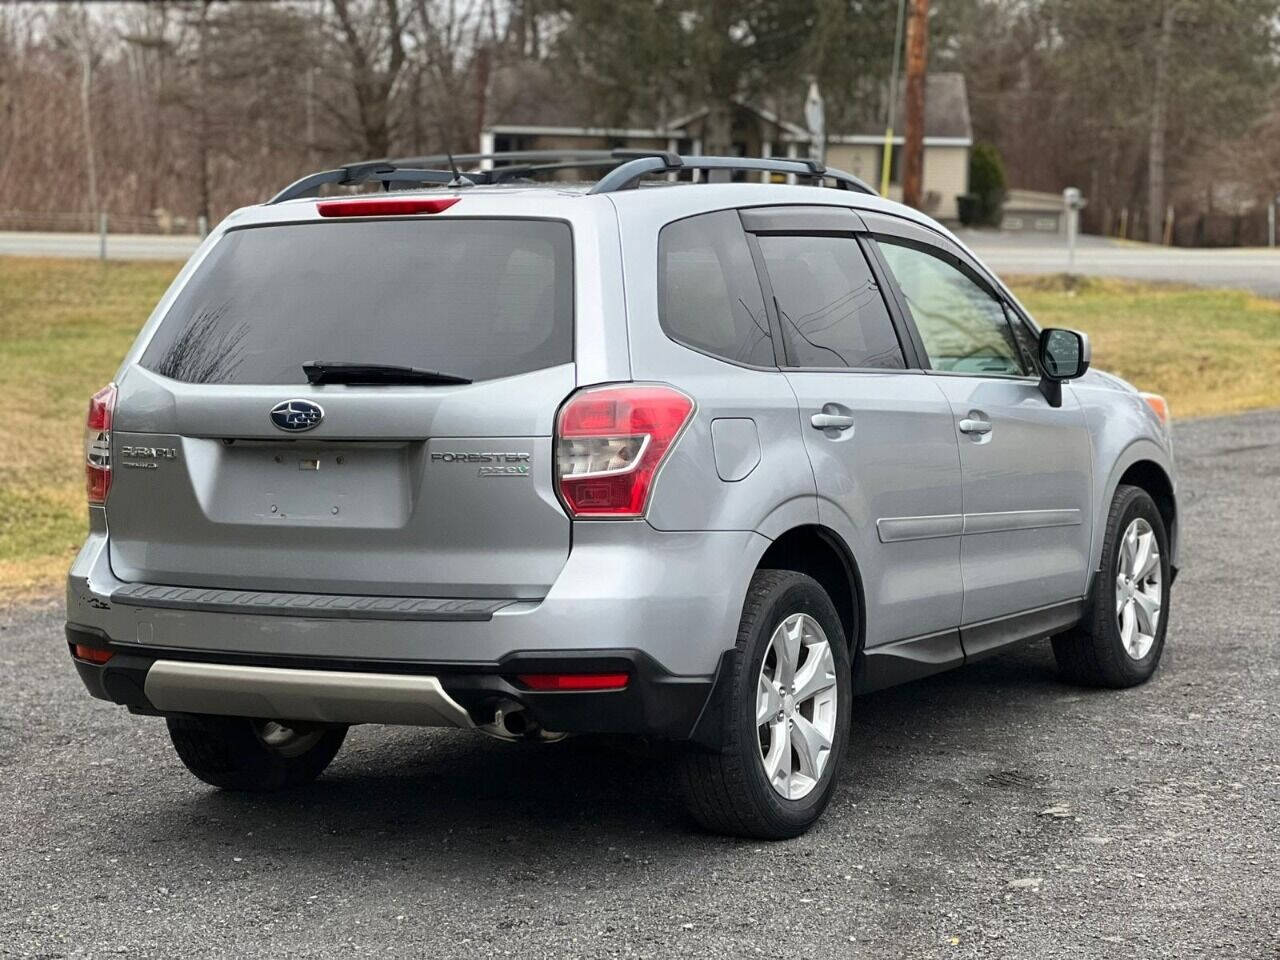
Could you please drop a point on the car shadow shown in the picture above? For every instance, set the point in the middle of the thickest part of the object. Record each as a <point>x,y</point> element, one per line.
<point>472,804</point>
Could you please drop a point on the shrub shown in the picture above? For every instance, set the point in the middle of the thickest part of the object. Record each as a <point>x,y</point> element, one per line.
<point>987,184</point>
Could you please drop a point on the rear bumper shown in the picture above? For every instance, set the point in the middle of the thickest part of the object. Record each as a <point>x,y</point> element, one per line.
<point>654,703</point>
<point>664,606</point>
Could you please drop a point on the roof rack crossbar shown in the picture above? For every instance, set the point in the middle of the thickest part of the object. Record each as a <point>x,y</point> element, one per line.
<point>629,168</point>
<point>309,186</point>
<point>816,169</point>
<point>509,156</point>
<point>517,171</point>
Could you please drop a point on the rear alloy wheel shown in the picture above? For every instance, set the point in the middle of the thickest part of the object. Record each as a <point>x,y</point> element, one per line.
<point>1121,638</point>
<point>784,716</point>
<point>237,753</point>
<point>797,706</point>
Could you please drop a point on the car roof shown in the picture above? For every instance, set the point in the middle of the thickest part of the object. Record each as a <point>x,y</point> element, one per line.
<point>567,200</point>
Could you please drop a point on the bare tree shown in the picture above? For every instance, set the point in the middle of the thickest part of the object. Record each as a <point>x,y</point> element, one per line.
<point>452,39</point>
<point>371,37</point>
<point>79,35</point>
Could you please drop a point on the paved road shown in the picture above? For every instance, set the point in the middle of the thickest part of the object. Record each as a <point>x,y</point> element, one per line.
<point>424,843</point>
<point>120,246</point>
<point>1256,268</point>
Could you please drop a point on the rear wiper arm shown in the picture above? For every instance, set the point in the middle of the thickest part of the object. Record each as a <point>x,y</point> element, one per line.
<point>369,374</point>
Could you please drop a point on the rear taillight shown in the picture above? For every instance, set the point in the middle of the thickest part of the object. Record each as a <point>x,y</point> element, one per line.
<point>610,442</point>
<point>97,444</point>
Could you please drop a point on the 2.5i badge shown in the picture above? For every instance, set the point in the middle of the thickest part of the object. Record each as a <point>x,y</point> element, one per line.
<point>146,458</point>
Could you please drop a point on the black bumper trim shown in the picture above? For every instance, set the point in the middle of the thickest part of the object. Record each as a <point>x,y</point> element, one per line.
<point>311,605</point>
<point>655,702</point>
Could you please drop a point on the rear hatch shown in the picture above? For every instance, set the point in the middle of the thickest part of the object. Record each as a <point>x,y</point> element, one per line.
<point>235,470</point>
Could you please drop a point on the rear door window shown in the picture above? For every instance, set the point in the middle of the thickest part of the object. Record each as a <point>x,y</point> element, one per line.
<point>709,292</point>
<point>829,304</point>
<point>476,298</point>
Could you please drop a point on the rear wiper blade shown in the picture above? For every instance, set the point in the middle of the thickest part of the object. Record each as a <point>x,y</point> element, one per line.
<point>368,374</point>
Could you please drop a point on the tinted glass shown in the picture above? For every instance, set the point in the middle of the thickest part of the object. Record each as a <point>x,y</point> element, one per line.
<point>829,304</point>
<point>709,291</point>
<point>475,298</point>
<point>964,328</point>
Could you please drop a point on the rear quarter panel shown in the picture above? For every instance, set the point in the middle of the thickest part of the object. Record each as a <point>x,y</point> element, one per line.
<point>779,492</point>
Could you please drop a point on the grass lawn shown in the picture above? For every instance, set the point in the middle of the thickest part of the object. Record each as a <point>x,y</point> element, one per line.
<point>1207,351</point>
<point>65,324</point>
<point>64,327</point>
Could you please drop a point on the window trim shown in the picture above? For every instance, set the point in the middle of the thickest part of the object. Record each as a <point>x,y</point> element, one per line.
<point>802,218</point>
<point>971,272</point>
<point>774,330</point>
<point>905,345</point>
<point>890,225</point>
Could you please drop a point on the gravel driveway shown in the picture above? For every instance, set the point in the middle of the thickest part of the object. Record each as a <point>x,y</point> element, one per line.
<point>989,812</point>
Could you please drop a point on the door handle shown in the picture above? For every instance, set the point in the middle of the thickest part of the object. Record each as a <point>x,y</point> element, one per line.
<point>831,421</point>
<point>978,427</point>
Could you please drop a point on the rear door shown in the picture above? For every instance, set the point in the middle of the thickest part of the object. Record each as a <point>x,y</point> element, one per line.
<point>397,489</point>
<point>878,434</point>
<point>1027,466</point>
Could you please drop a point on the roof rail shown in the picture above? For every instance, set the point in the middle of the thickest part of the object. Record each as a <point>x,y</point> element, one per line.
<point>629,168</point>
<point>629,174</point>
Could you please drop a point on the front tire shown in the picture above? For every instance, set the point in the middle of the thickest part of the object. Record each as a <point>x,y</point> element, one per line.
<point>785,719</point>
<point>1120,641</point>
<point>259,756</point>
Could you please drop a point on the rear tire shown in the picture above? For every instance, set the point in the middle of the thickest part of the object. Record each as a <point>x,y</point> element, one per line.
<point>1117,644</point>
<point>260,756</point>
<point>785,720</point>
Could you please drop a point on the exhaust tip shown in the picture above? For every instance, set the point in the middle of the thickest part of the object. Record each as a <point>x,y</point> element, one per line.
<point>512,722</point>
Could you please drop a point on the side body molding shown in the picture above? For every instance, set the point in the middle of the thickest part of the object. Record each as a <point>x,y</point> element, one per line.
<point>892,663</point>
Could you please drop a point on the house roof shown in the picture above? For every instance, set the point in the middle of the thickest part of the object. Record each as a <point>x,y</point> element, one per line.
<point>530,96</point>
<point>789,129</point>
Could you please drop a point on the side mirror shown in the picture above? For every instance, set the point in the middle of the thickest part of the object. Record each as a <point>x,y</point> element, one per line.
<point>1064,355</point>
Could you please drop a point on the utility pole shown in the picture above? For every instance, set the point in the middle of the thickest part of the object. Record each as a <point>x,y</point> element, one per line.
<point>1159,121</point>
<point>917,65</point>
<point>886,157</point>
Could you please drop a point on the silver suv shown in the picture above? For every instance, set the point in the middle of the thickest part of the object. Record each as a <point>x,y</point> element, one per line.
<point>695,452</point>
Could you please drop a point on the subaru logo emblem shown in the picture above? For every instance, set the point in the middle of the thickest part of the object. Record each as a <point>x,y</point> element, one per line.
<point>296,415</point>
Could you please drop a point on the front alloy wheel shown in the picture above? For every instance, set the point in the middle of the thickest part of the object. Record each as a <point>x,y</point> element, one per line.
<point>1119,641</point>
<point>1138,592</point>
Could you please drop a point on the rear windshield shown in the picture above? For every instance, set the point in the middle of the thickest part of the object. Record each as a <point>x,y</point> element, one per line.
<point>474,298</point>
